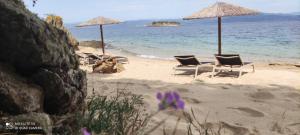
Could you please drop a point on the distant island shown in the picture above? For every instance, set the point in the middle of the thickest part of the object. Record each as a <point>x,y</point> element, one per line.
<point>164,24</point>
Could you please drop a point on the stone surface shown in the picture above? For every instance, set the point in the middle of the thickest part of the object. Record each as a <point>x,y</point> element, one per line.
<point>38,123</point>
<point>57,22</point>
<point>17,95</point>
<point>44,63</point>
<point>29,43</point>
<point>61,90</point>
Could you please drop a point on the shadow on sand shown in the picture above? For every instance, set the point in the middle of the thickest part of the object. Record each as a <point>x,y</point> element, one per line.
<point>208,69</point>
<point>243,108</point>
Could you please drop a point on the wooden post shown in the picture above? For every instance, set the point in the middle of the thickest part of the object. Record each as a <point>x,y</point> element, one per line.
<point>102,41</point>
<point>219,36</point>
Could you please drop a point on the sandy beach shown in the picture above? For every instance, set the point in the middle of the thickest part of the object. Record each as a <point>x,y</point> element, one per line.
<point>150,67</point>
<point>264,102</point>
<point>162,70</point>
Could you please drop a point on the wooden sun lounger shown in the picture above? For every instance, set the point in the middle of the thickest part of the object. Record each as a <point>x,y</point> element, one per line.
<point>121,59</point>
<point>188,62</point>
<point>90,58</point>
<point>230,62</point>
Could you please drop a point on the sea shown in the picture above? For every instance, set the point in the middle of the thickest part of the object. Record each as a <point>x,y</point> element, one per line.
<point>264,38</point>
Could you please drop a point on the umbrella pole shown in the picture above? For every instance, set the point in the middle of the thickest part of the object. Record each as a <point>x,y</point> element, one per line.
<point>219,36</point>
<point>101,30</point>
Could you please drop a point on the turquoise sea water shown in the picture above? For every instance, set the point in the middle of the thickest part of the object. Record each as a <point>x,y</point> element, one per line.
<point>257,38</point>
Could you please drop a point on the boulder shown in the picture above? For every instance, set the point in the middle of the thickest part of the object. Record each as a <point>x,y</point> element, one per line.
<point>63,91</point>
<point>40,55</point>
<point>28,43</point>
<point>57,22</point>
<point>17,94</point>
<point>29,123</point>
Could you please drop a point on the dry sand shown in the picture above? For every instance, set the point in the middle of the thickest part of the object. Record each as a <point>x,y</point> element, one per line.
<point>265,102</point>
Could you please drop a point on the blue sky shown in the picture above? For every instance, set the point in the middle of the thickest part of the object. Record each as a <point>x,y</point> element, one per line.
<point>80,10</point>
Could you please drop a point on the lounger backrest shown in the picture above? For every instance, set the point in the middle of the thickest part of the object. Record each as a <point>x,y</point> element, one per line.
<point>81,55</point>
<point>229,59</point>
<point>93,56</point>
<point>187,60</point>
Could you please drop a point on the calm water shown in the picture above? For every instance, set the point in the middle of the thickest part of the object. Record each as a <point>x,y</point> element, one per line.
<point>257,38</point>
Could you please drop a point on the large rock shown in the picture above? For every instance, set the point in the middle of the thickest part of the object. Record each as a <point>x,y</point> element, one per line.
<point>29,43</point>
<point>57,22</point>
<point>44,62</point>
<point>17,95</point>
<point>63,91</point>
<point>29,123</point>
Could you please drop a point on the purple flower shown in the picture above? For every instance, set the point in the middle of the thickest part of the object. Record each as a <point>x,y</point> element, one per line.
<point>161,106</point>
<point>169,100</point>
<point>169,97</point>
<point>180,104</point>
<point>159,96</point>
<point>176,96</point>
<point>85,132</point>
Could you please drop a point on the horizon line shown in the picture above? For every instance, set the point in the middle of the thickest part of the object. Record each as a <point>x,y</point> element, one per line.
<point>151,19</point>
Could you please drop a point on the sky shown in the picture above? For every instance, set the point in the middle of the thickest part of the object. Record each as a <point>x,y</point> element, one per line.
<point>74,11</point>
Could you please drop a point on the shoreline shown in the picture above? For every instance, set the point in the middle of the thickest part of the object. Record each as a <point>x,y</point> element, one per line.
<point>272,62</point>
<point>162,70</point>
<point>206,57</point>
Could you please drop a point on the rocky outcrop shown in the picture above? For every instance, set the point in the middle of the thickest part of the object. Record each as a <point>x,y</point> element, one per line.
<point>17,95</point>
<point>57,22</point>
<point>30,123</point>
<point>38,66</point>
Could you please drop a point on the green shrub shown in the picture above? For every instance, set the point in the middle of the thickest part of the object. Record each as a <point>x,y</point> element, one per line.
<point>122,114</point>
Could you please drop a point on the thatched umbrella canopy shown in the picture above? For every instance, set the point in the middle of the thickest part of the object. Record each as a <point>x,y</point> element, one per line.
<point>221,9</point>
<point>99,21</point>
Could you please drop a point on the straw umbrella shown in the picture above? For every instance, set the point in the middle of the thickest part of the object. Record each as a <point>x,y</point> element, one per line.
<point>99,21</point>
<point>221,9</point>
